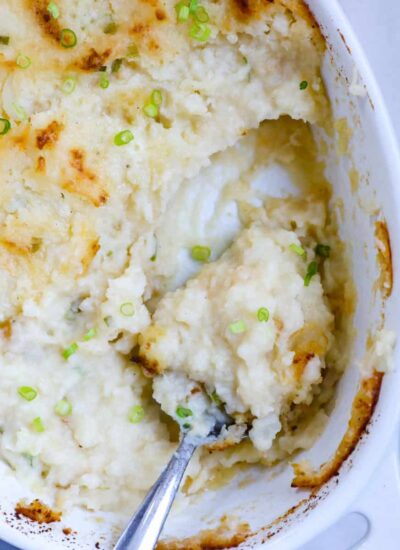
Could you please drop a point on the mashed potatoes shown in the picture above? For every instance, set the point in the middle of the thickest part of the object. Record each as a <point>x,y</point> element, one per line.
<point>253,327</point>
<point>114,115</point>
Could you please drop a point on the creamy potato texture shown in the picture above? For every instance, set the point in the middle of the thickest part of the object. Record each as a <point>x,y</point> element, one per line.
<point>119,124</point>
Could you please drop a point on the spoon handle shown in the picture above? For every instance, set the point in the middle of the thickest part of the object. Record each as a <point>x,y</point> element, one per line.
<point>145,527</point>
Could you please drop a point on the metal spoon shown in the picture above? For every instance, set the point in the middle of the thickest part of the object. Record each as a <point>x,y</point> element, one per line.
<point>143,530</point>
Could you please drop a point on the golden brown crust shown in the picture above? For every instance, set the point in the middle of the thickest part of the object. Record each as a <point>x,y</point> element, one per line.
<point>384,257</point>
<point>47,23</point>
<point>84,182</point>
<point>94,60</point>
<point>211,539</point>
<point>49,135</point>
<point>6,328</point>
<point>37,511</point>
<point>361,412</point>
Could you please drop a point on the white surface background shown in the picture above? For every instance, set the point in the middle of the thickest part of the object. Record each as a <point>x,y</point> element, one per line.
<point>377,24</point>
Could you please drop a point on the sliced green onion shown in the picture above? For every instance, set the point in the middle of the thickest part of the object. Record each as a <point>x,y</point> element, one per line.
<point>37,424</point>
<point>116,65</point>
<point>156,97</point>
<point>183,412</point>
<point>193,4</point>
<point>110,28</point>
<point>107,320</point>
<point>103,81</point>
<point>182,12</point>
<point>151,110</point>
<point>53,10</point>
<point>303,85</point>
<point>263,314</point>
<point>20,112</point>
<point>200,32</point>
<point>127,309</point>
<point>132,51</point>
<point>201,253</point>
<point>23,61</point>
<point>69,85</point>
<point>68,38</point>
<point>312,270</point>
<point>136,414</point>
<point>216,398</point>
<point>237,327</point>
<point>63,408</point>
<point>201,14</point>
<point>123,138</point>
<point>186,426</point>
<point>27,393</point>
<point>297,249</point>
<point>73,348</point>
<point>4,40</point>
<point>322,250</point>
<point>90,334</point>
<point>5,126</point>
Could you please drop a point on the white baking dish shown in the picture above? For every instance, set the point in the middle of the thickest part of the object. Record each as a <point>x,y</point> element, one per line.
<point>269,495</point>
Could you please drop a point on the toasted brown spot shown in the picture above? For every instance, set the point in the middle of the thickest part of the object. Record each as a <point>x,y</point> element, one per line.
<point>384,257</point>
<point>84,183</point>
<point>6,328</point>
<point>361,412</point>
<point>160,14</point>
<point>49,25</point>
<point>150,366</point>
<point>219,538</point>
<point>49,135</point>
<point>67,531</point>
<point>16,249</point>
<point>37,511</point>
<point>41,164</point>
<point>94,60</point>
<point>300,362</point>
<point>93,248</point>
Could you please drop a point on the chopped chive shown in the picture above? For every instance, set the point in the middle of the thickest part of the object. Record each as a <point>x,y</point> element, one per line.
<point>20,112</point>
<point>73,348</point>
<point>110,28</point>
<point>68,38</point>
<point>5,126</point>
<point>200,32</point>
<point>90,334</point>
<point>201,14</point>
<point>193,4</point>
<point>303,85</point>
<point>216,398</point>
<point>132,51</point>
<point>312,270</point>
<point>136,414</point>
<point>68,85</point>
<point>53,10</point>
<point>263,314</point>
<point>27,393</point>
<point>182,12</point>
<point>323,250</point>
<point>298,249</point>
<point>23,61</point>
<point>37,424</point>
<point>123,138</point>
<point>116,65</point>
<point>107,320</point>
<point>151,110</point>
<point>237,327</point>
<point>103,81</point>
<point>63,408</point>
<point>201,253</point>
<point>156,97</point>
<point>127,309</point>
<point>186,426</point>
<point>4,40</point>
<point>183,412</point>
